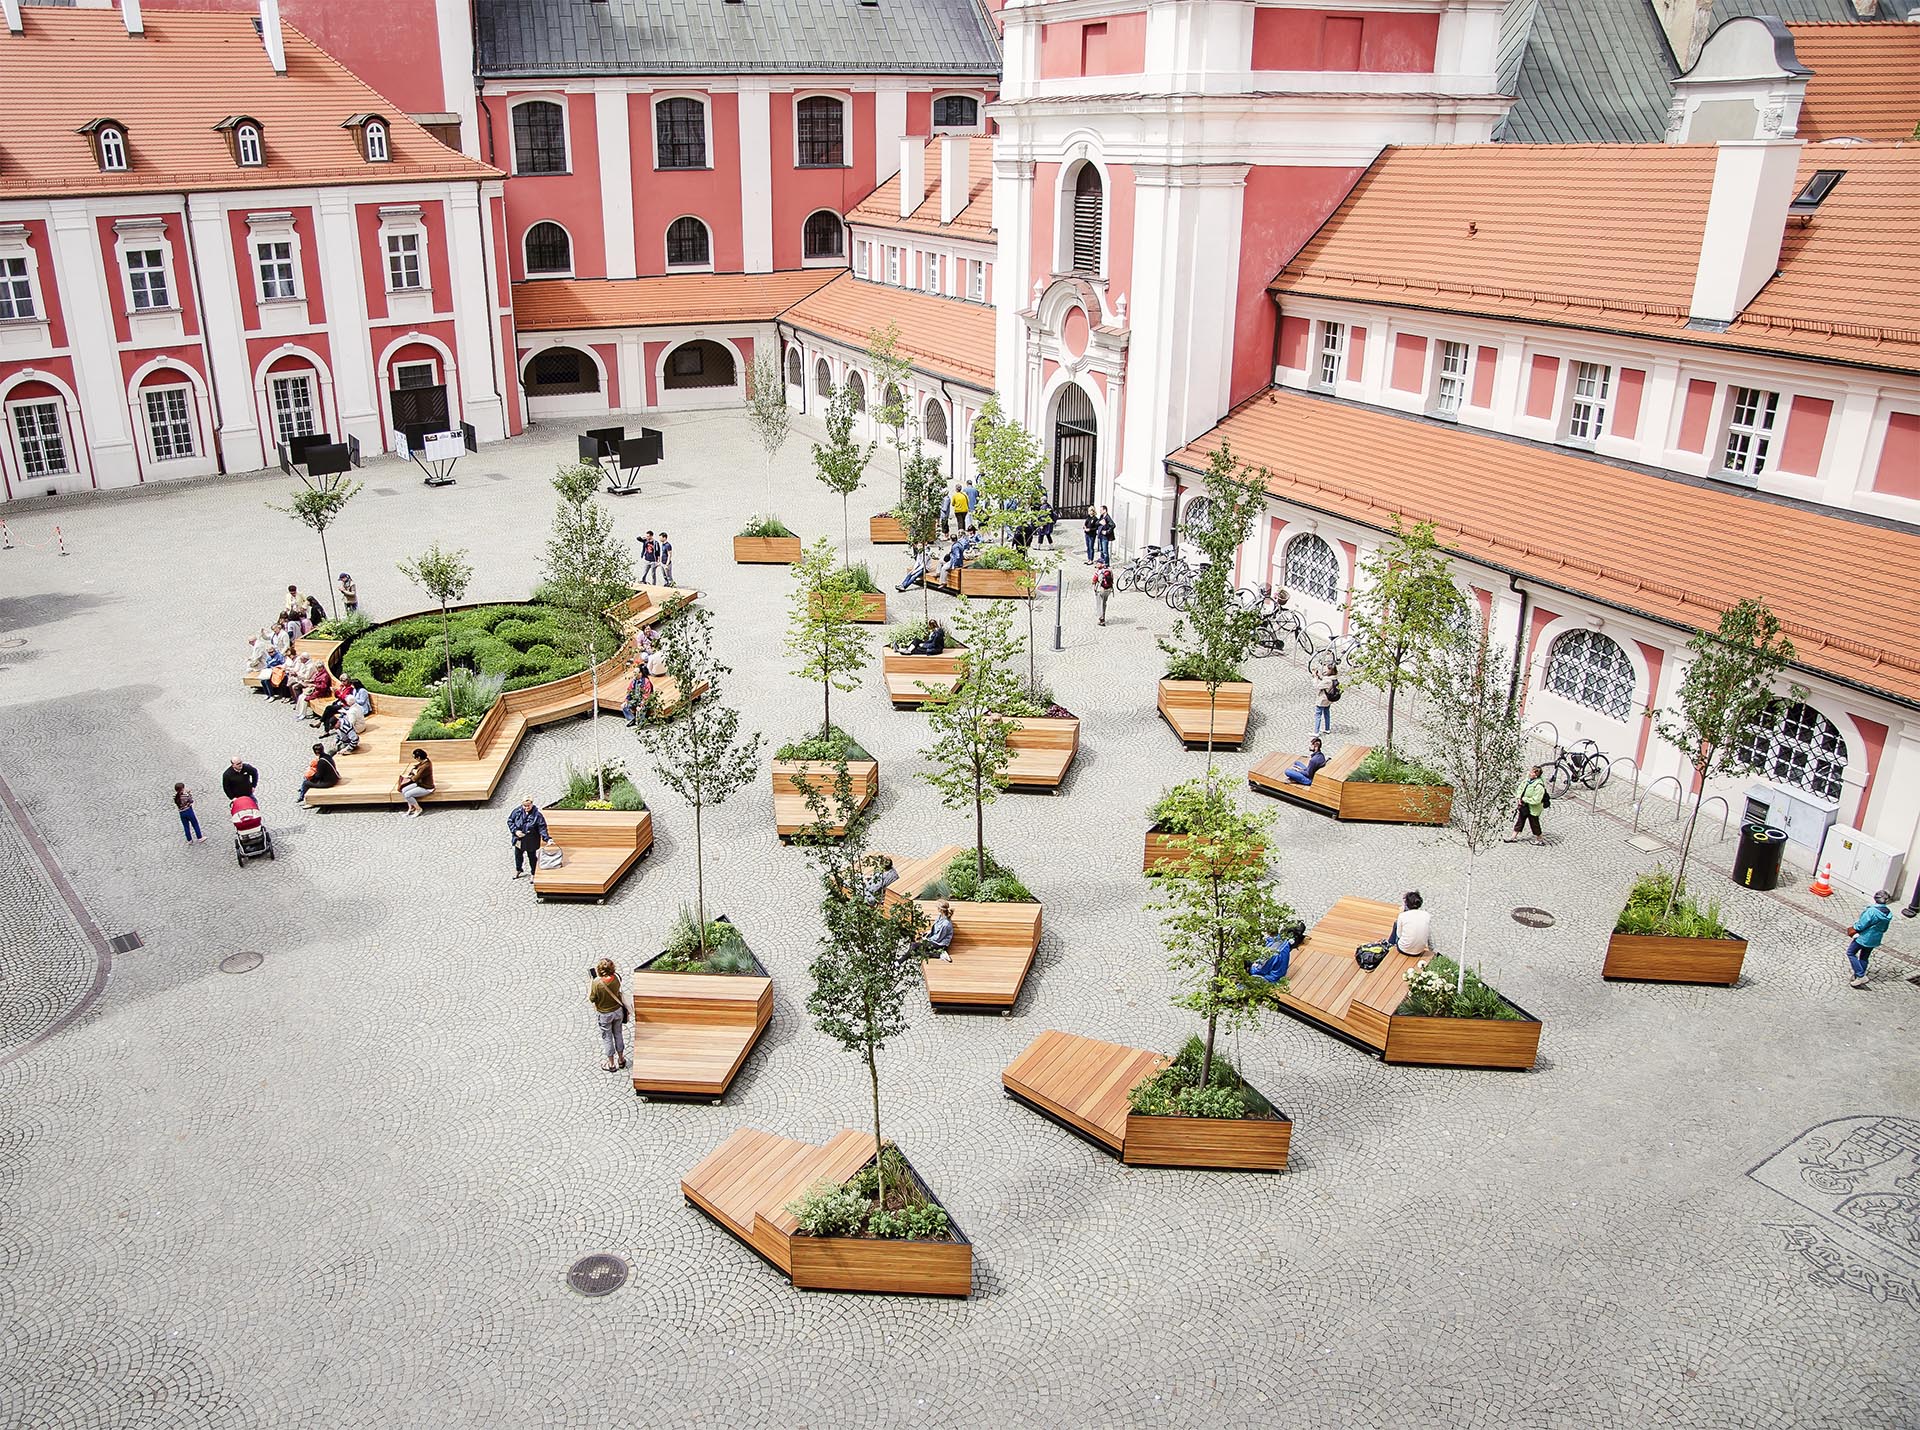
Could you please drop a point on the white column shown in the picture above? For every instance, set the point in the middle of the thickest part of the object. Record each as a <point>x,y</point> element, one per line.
<point>348,324</point>
<point>473,310</point>
<point>1894,814</point>
<point>616,175</point>
<point>224,328</point>
<point>456,71</point>
<point>889,127</point>
<point>1012,277</point>
<point>630,353</point>
<point>89,296</point>
<point>1849,436</point>
<point>756,177</point>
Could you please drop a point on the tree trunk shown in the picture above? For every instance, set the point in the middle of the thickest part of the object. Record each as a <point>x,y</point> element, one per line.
<point>1686,845</point>
<point>1393,690</point>
<point>446,646</point>
<point>1213,700</point>
<point>333,598</point>
<point>979,832</point>
<point>699,881</point>
<point>846,531</point>
<point>1466,913</point>
<point>879,1167</point>
<point>1033,673</point>
<point>826,682</point>
<point>593,717</point>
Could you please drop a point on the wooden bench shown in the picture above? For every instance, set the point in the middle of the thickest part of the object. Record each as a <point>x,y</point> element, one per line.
<point>1184,706</point>
<point>1326,986</point>
<point>912,679</point>
<point>693,1031</point>
<point>746,1183</point>
<point>791,778</point>
<point>1269,776</point>
<point>983,582</point>
<point>598,847</point>
<point>1042,750</point>
<point>993,944</point>
<point>1345,798</point>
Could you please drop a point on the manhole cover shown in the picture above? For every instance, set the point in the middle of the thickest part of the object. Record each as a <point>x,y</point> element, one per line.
<point>241,962</point>
<point>1533,918</point>
<point>14,643</point>
<point>598,1274</point>
<point>125,942</point>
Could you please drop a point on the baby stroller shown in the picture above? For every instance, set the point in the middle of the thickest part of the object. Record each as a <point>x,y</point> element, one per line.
<point>250,837</point>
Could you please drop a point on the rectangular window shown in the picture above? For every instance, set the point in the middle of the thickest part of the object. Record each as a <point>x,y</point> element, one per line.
<point>820,133</point>
<point>860,260</point>
<point>680,134</point>
<point>292,407</point>
<point>43,447</point>
<point>930,272</point>
<point>1750,431</point>
<point>1587,407</point>
<point>169,423</point>
<point>412,374</point>
<point>893,265</point>
<point>1452,390</point>
<point>16,290</point>
<point>403,262</point>
<point>276,270</point>
<point>147,279</point>
<point>977,281</point>
<point>1333,348</point>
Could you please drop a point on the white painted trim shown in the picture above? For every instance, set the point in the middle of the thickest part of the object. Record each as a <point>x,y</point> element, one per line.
<point>79,455</point>
<point>848,156</point>
<point>756,178</point>
<point>526,268</point>
<point>666,250</point>
<point>552,96</point>
<point>613,135</point>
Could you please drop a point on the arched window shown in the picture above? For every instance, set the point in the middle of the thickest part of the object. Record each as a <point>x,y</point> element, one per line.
<point>822,378</point>
<point>1312,569</point>
<point>1591,670</point>
<point>699,364</point>
<point>688,244</point>
<point>1196,516</point>
<point>1089,201</point>
<point>935,423</point>
<point>560,370</point>
<point>891,399</point>
<point>680,134</point>
<point>823,236</point>
<point>1795,744</point>
<point>539,138</point>
<point>956,111</point>
<point>113,149</point>
<point>376,140</point>
<point>549,250</point>
<point>820,126</point>
<point>796,376</point>
<point>246,146</point>
<point>857,390</point>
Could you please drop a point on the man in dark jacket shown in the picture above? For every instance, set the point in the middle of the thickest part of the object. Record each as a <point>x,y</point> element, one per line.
<point>238,778</point>
<point>528,828</point>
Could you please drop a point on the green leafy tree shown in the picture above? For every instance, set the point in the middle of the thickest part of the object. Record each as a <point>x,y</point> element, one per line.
<point>317,508</point>
<point>923,495</point>
<point>700,753</point>
<point>1212,641</point>
<point>1403,613</point>
<point>1726,691</point>
<point>1010,470</point>
<point>587,569</point>
<point>768,416</point>
<point>822,630</point>
<point>866,962</point>
<point>841,462</point>
<point>1217,906</point>
<point>1480,747</point>
<point>892,375</point>
<point>969,751</point>
<point>445,576</point>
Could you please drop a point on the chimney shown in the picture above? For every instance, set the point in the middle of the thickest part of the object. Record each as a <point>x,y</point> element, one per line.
<point>913,174</point>
<point>270,35</point>
<point>1753,182</point>
<point>11,8</point>
<point>130,13</point>
<point>955,182</point>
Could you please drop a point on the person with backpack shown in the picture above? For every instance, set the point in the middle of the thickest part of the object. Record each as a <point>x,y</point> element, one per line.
<point>1866,933</point>
<point>1102,588</point>
<point>1326,690</point>
<point>649,559</point>
<point>1533,799</point>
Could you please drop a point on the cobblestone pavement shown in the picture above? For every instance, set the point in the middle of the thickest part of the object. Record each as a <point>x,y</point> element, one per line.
<point>344,1190</point>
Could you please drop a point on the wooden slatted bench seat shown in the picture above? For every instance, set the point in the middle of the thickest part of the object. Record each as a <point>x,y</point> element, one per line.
<point>1183,705</point>
<point>1335,791</point>
<point>1269,776</point>
<point>983,583</point>
<point>746,1182</point>
<point>1042,751</point>
<point>993,944</point>
<point>1326,986</point>
<point>911,679</point>
<point>791,813</point>
<point>692,1031</point>
<point>598,847</point>
<point>884,529</point>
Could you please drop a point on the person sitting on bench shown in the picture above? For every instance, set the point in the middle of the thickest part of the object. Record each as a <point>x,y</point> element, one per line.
<point>934,642</point>
<point>881,875</point>
<point>1280,946</point>
<point>939,940</point>
<point>1302,770</point>
<point>917,572</point>
<point>1413,929</point>
<point>957,553</point>
<point>346,729</point>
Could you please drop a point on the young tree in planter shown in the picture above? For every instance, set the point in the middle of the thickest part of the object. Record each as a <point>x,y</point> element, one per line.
<point>1213,640</point>
<point>445,576</point>
<point>1480,748</point>
<point>768,415</point>
<point>842,462</point>
<point>822,630</point>
<point>969,751</point>
<point>892,375</point>
<point>1009,468</point>
<point>699,754</point>
<point>1726,691</point>
<point>866,964</point>
<point>1218,906</point>
<point>923,495</point>
<point>1402,613</point>
<point>587,569</point>
<point>317,508</point>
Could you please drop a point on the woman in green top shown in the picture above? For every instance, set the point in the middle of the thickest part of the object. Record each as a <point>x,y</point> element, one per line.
<point>610,1011</point>
<point>1533,799</point>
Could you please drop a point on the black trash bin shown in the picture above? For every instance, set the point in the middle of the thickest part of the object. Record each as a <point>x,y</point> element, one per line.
<point>1756,863</point>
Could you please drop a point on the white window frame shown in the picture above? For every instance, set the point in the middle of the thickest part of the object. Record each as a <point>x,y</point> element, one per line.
<point>823,260</point>
<point>1588,406</point>
<point>184,423</point>
<point>860,259</point>
<point>979,112</point>
<point>566,134</point>
<point>666,248</point>
<point>1330,354</point>
<point>404,222</point>
<point>404,252</point>
<point>893,264</point>
<point>1451,388</point>
<point>114,155</point>
<point>1756,434</point>
<point>64,433</point>
<point>653,130</point>
<point>847,156</point>
<point>930,272</point>
<point>378,142</point>
<point>274,271</point>
<point>977,280</point>
<point>312,380</point>
<point>14,248</point>
<point>432,365</point>
<point>248,138</point>
<point>527,268</point>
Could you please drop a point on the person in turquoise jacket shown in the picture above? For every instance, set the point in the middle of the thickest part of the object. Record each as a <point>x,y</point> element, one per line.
<point>1866,933</point>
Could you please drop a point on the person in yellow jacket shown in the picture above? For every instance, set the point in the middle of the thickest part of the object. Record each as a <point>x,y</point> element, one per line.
<point>1532,797</point>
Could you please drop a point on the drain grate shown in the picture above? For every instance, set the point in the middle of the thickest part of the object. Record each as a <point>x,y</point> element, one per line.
<point>385,492</point>
<point>244,962</point>
<point>125,942</point>
<point>597,1275</point>
<point>1533,918</point>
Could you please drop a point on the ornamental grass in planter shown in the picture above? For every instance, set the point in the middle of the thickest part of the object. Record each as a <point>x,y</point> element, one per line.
<point>813,763</point>
<point>1394,787</point>
<point>724,950</point>
<point>880,1230</point>
<point>1172,820</point>
<point>766,541</point>
<point>699,1006</point>
<point>1175,1121</point>
<point>962,883</point>
<point>1664,936</point>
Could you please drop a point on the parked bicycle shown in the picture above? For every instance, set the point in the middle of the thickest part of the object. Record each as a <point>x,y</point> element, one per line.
<point>1582,764</point>
<point>1139,572</point>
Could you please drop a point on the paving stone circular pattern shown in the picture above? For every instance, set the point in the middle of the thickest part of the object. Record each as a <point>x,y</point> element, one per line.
<point>14,643</point>
<point>597,1275</point>
<point>244,962</point>
<point>1533,918</point>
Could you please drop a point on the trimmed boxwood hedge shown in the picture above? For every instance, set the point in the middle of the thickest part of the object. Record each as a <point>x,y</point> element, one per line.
<point>520,642</point>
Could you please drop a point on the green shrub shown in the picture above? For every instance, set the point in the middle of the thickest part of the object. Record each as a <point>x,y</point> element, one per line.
<point>344,628</point>
<point>1648,897</point>
<point>766,526</point>
<point>963,882</point>
<point>583,790</point>
<point>859,577</point>
<point>1175,1090</point>
<point>908,633</point>
<point>832,745</point>
<point>727,951</point>
<point>470,693</point>
<point>1431,994</point>
<point>1189,666</point>
<point>921,1223</point>
<point>1380,768</point>
<point>827,1210</point>
<point>999,558</point>
<point>520,643</point>
<point>901,1184</point>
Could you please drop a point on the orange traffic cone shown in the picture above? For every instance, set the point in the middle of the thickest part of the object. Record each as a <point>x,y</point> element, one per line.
<point>1823,881</point>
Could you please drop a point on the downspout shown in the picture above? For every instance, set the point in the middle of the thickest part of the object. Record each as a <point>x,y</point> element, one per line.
<point>480,98</point>
<point>953,428</point>
<point>489,260</point>
<point>200,307</point>
<point>1519,641</point>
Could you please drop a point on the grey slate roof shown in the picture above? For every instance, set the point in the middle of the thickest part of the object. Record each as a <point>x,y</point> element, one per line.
<point>1590,71</point>
<point>645,37</point>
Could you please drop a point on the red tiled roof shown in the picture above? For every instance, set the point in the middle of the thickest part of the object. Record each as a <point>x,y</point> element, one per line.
<point>550,303</point>
<point>1671,550</point>
<point>1866,80</point>
<point>169,87</point>
<point>1607,237</point>
<point>942,337</point>
<point>881,208</point>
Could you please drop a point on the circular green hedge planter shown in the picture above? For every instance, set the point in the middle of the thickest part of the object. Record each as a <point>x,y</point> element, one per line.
<point>521,642</point>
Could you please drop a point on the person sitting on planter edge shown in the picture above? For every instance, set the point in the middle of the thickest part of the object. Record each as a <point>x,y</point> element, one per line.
<point>917,572</point>
<point>934,642</point>
<point>1280,946</point>
<point>880,876</point>
<point>939,940</point>
<point>1413,929</point>
<point>1302,770</point>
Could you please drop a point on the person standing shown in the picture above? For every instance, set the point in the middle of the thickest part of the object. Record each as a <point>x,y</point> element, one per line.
<point>609,1012</point>
<point>649,559</point>
<point>1092,528</point>
<point>527,827</point>
<point>665,549</point>
<point>1325,686</point>
<point>1043,536</point>
<point>415,782</point>
<point>238,778</point>
<point>189,821</point>
<point>1866,933</point>
<point>1106,534</point>
<point>1102,589</point>
<point>962,503</point>
<point>1533,799</point>
<point>349,594</point>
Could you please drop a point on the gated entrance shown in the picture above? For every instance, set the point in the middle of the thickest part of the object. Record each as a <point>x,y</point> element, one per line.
<point>1075,445</point>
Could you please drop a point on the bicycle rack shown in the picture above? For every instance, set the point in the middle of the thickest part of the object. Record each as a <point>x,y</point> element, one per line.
<point>1534,730</point>
<point>1679,795</point>
<point>1630,760</point>
<point>1726,814</point>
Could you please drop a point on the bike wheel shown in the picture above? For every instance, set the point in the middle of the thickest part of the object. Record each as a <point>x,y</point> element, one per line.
<point>1597,769</point>
<point>1126,580</point>
<point>1155,584</point>
<point>1556,779</point>
<point>1178,596</point>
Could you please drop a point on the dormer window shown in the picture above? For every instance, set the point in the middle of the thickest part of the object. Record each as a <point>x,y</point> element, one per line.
<point>245,140</point>
<point>371,130</point>
<point>109,138</point>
